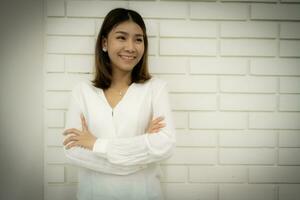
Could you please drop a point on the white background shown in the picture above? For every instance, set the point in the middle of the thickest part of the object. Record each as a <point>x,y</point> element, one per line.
<point>233,68</point>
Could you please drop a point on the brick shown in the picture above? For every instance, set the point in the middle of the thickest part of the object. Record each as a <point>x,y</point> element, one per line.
<point>220,11</point>
<point>180,119</point>
<point>64,82</point>
<point>204,47</point>
<point>160,9</point>
<point>289,139</point>
<point>248,47</point>
<point>55,173</point>
<point>92,8</point>
<point>167,65</point>
<point>289,48</point>
<point>275,12</point>
<point>179,191</point>
<point>212,120</point>
<point>72,174</point>
<point>274,121</point>
<point>218,174</point>
<point>191,83</point>
<point>289,84</point>
<point>218,66</point>
<point>67,26</point>
<point>55,63</point>
<point>98,24</point>
<point>247,156</point>
<point>72,45</point>
<point>248,30</point>
<point>188,29</point>
<point>54,118</point>
<point>253,139</point>
<point>152,46</point>
<point>193,156</point>
<point>56,100</point>
<point>247,192</point>
<point>61,192</point>
<point>57,82</point>
<point>248,102</point>
<point>193,101</point>
<point>152,27</point>
<point>55,8</point>
<point>289,102</point>
<point>289,156</point>
<point>54,137</point>
<point>174,173</point>
<point>79,63</point>
<point>196,139</point>
<point>286,174</point>
<point>290,30</point>
<point>289,192</point>
<point>283,66</point>
<point>55,155</point>
<point>249,1</point>
<point>248,84</point>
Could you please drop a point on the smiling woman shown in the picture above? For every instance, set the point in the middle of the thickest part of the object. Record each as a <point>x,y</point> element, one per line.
<point>126,46</point>
<point>114,129</point>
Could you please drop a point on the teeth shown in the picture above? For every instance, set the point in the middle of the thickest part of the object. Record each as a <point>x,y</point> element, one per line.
<point>128,57</point>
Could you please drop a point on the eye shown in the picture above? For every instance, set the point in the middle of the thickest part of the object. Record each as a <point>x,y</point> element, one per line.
<point>121,38</point>
<point>139,40</point>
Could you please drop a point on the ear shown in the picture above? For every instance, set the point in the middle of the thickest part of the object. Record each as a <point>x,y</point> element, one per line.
<point>104,42</point>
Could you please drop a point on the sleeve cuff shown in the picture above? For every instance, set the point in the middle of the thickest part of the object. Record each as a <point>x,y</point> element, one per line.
<point>100,147</point>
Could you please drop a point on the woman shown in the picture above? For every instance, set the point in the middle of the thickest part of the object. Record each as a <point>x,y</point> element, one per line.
<point>114,129</point>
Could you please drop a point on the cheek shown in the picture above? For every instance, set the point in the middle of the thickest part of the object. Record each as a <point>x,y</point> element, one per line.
<point>142,50</point>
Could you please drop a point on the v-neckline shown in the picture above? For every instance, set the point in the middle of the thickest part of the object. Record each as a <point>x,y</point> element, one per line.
<point>121,100</point>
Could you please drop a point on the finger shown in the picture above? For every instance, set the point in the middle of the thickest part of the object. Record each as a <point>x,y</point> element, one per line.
<point>159,126</point>
<point>71,131</point>
<point>84,124</point>
<point>158,119</point>
<point>70,139</point>
<point>71,144</point>
<point>162,125</point>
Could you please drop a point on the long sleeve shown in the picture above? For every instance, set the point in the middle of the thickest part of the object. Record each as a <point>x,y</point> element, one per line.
<point>146,148</point>
<point>85,158</point>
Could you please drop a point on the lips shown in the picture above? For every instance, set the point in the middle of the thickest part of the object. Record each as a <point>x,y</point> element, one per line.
<point>127,57</point>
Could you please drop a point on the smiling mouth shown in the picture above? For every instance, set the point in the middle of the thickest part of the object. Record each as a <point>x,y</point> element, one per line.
<point>127,57</point>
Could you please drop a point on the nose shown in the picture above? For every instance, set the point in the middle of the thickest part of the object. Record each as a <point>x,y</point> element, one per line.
<point>130,46</point>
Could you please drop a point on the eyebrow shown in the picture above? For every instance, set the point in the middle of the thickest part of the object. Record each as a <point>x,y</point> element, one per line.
<point>125,33</point>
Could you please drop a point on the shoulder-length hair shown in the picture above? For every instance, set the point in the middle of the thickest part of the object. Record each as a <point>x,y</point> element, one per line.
<point>103,69</point>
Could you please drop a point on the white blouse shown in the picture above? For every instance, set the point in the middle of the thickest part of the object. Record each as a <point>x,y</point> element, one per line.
<point>124,161</point>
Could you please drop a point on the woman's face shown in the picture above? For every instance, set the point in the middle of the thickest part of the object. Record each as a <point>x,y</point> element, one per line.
<point>125,46</point>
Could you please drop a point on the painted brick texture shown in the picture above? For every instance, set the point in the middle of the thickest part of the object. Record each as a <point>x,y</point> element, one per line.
<point>233,69</point>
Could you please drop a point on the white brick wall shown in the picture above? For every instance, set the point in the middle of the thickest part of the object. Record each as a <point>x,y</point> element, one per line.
<point>233,68</point>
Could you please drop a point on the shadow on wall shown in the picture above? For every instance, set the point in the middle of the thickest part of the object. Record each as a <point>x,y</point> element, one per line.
<point>21,88</point>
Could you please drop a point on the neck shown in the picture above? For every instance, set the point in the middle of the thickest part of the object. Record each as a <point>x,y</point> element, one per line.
<point>121,79</point>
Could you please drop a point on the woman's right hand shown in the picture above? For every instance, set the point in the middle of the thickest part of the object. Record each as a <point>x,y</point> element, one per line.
<point>155,125</point>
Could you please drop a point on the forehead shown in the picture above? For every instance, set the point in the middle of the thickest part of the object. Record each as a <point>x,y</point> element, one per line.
<point>129,27</point>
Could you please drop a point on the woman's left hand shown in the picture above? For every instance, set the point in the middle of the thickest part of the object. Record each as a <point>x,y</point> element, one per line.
<point>79,138</point>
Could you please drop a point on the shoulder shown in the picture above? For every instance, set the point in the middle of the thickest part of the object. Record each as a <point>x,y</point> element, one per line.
<point>82,87</point>
<point>157,83</point>
<point>158,87</point>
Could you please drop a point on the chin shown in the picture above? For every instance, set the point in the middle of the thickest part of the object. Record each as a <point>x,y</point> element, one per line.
<point>127,69</point>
